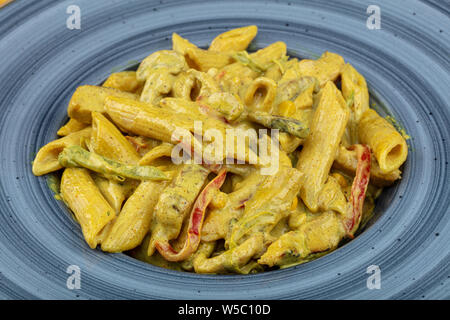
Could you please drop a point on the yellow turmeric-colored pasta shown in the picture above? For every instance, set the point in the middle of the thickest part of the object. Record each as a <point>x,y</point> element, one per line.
<point>109,142</point>
<point>87,99</point>
<point>132,224</point>
<point>215,159</point>
<point>46,159</point>
<point>234,40</point>
<point>327,68</point>
<point>70,127</point>
<point>87,203</point>
<point>319,150</point>
<point>204,60</point>
<point>387,144</point>
<point>179,44</point>
<point>124,81</point>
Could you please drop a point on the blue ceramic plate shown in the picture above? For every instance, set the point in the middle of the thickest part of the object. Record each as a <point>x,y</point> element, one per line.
<point>406,64</point>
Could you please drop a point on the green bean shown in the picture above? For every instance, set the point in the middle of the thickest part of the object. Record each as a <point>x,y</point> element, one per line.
<point>76,156</point>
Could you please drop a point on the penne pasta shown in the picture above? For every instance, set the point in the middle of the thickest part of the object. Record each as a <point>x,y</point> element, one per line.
<point>87,203</point>
<point>320,147</point>
<point>46,160</point>
<point>222,160</point>
<point>108,141</point>
<point>389,147</point>
<point>70,127</point>
<point>327,68</point>
<point>133,223</point>
<point>124,81</point>
<point>234,40</point>
<point>179,44</point>
<point>88,99</point>
<point>203,60</point>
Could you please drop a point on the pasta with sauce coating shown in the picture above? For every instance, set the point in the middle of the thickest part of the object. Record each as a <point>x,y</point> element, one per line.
<point>146,172</point>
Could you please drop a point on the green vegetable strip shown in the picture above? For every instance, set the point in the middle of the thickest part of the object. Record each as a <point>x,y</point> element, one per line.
<point>76,156</point>
<point>289,125</point>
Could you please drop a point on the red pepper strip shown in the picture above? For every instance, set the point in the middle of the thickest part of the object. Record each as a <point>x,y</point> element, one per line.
<point>195,222</point>
<point>359,188</point>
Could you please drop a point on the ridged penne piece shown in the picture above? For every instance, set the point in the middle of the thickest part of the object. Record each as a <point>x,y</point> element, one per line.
<point>113,192</point>
<point>163,150</point>
<point>47,158</point>
<point>87,99</point>
<point>70,127</point>
<point>327,68</point>
<point>354,86</point>
<point>133,223</point>
<point>144,119</point>
<point>203,60</point>
<point>180,44</point>
<point>355,92</point>
<point>320,147</point>
<point>347,161</point>
<point>269,54</point>
<point>124,81</point>
<point>234,40</point>
<point>389,147</point>
<point>108,141</point>
<point>87,203</point>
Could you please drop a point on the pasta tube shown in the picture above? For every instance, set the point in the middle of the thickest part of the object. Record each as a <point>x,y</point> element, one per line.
<point>87,99</point>
<point>115,193</point>
<point>327,68</point>
<point>270,203</point>
<point>163,150</point>
<point>124,81</point>
<point>346,160</point>
<point>354,90</point>
<point>179,44</point>
<point>133,223</point>
<point>234,40</point>
<point>108,141</point>
<point>320,147</point>
<point>269,54</point>
<point>389,147</point>
<point>87,203</point>
<point>203,60</point>
<point>261,94</point>
<point>70,127</point>
<point>46,160</point>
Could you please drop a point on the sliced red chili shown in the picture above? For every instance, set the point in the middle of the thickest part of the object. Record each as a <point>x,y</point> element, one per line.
<point>359,188</point>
